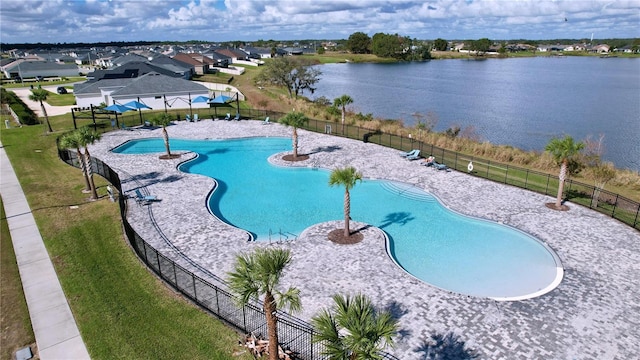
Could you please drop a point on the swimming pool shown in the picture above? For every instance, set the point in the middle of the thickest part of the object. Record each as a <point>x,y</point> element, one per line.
<point>436,245</point>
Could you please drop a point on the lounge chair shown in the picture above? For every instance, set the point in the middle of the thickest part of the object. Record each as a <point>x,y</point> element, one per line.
<point>237,117</point>
<point>228,117</point>
<point>195,117</point>
<point>409,153</point>
<point>440,166</point>
<point>187,117</point>
<point>415,156</point>
<point>145,199</point>
<point>266,121</point>
<point>125,127</point>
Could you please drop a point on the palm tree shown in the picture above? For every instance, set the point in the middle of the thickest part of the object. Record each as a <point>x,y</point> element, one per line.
<point>40,95</point>
<point>355,330</point>
<point>342,102</point>
<point>86,137</point>
<point>347,177</point>
<point>295,120</point>
<point>562,151</point>
<point>71,140</point>
<point>258,274</point>
<point>163,120</point>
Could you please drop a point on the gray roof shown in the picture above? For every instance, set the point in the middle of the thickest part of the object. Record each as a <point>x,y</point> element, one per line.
<point>151,83</point>
<point>44,65</point>
<point>154,83</point>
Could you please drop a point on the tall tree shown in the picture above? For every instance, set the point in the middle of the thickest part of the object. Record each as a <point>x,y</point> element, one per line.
<point>304,78</point>
<point>86,137</point>
<point>354,329</point>
<point>387,45</point>
<point>163,120</point>
<point>295,120</point>
<point>359,43</point>
<point>563,151</point>
<point>289,72</point>
<point>258,275</point>
<point>71,140</point>
<point>347,177</point>
<point>342,102</point>
<point>41,95</point>
<point>440,44</point>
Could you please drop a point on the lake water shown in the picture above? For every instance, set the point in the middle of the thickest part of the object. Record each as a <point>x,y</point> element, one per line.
<point>522,102</point>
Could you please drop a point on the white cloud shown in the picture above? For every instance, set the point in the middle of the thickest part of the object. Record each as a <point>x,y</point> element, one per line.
<point>222,20</point>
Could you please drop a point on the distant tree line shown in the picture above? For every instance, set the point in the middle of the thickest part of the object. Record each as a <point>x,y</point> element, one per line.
<point>388,45</point>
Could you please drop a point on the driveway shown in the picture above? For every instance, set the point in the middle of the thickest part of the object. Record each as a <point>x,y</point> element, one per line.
<point>23,94</point>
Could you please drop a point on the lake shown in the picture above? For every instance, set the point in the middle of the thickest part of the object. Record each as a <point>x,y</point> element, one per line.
<point>522,102</point>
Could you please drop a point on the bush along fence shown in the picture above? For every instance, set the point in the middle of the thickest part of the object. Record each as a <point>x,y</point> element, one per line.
<point>293,333</point>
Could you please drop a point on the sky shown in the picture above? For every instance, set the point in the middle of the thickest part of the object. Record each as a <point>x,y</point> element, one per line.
<point>60,21</point>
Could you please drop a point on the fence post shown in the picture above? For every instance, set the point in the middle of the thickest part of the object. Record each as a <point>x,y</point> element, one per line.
<point>526,180</point>
<point>158,258</point>
<point>546,190</point>
<point>488,166</point>
<point>193,280</point>
<point>506,174</point>
<point>455,163</point>
<point>175,274</point>
<point>615,205</point>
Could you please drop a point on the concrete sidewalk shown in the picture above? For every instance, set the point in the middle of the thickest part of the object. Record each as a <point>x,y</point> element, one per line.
<point>55,329</point>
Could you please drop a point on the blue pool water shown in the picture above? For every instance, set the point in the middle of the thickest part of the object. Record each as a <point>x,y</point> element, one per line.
<point>443,248</point>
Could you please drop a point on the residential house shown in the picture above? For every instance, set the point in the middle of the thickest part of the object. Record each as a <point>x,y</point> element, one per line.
<point>233,54</point>
<point>39,69</point>
<point>293,51</point>
<point>199,62</point>
<point>135,69</point>
<point>600,49</point>
<point>153,89</point>
<point>257,52</point>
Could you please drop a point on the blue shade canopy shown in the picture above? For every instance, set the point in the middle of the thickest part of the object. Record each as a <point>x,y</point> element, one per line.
<point>118,108</point>
<point>136,105</point>
<point>220,99</point>
<point>200,99</point>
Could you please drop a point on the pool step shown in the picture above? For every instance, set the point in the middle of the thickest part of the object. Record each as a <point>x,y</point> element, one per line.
<point>407,191</point>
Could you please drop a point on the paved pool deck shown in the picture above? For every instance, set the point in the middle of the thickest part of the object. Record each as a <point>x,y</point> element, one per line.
<point>593,314</point>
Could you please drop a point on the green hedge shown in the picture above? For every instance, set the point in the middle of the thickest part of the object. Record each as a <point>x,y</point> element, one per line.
<point>26,115</point>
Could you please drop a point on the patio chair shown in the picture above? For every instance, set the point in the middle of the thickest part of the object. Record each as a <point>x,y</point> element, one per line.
<point>228,117</point>
<point>125,127</point>
<point>415,156</point>
<point>440,166</point>
<point>266,121</point>
<point>187,117</point>
<point>145,199</point>
<point>195,117</point>
<point>408,153</point>
<point>237,117</point>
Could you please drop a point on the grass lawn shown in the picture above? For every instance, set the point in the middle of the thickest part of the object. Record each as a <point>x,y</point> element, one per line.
<point>14,317</point>
<point>122,310</point>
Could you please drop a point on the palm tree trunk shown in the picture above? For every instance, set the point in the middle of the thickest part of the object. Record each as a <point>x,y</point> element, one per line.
<point>295,143</point>
<point>84,170</point>
<point>347,212</point>
<point>343,110</point>
<point>87,159</point>
<point>46,117</point>
<point>272,325</point>
<point>165,135</point>
<point>563,174</point>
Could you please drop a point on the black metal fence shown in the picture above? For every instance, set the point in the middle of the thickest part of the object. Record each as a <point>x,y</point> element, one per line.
<point>609,203</point>
<point>293,333</point>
